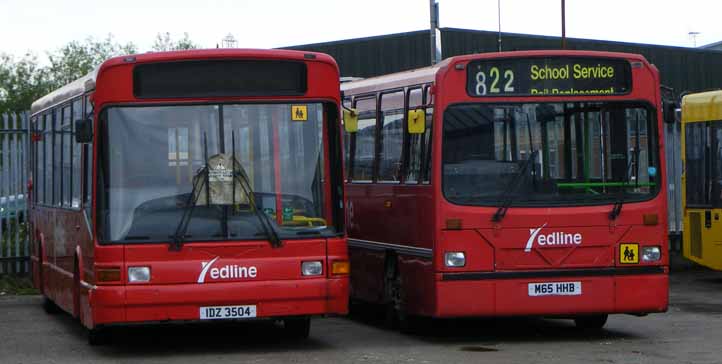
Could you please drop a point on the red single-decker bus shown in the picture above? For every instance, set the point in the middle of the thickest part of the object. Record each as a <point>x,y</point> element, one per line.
<point>189,186</point>
<point>515,183</point>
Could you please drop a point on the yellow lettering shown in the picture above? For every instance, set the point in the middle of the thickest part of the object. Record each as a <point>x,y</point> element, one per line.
<point>598,71</point>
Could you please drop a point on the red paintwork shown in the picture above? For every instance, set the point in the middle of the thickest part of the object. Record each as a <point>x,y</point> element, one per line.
<point>61,236</point>
<point>418,214</point>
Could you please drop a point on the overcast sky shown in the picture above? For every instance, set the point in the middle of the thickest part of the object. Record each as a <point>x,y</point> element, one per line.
<point>41,25</point>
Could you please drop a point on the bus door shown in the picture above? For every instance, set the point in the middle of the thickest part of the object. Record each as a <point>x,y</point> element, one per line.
<point>703,181</point>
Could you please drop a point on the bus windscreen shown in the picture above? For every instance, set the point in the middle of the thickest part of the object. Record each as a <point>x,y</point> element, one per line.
<point>549,76</point>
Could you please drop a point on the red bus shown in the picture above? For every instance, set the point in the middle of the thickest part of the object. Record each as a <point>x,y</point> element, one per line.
<point>190,186</point>
<point>517,183</point>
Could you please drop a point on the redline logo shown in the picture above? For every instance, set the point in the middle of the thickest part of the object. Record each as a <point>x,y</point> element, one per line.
<point>551,239</point>
<point>229,271</point>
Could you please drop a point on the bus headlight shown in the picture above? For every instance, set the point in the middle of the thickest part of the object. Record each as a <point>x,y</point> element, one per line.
<point>651,253</point>
<point>138,274</point>
<point>313,268</point>
<point>455,259</point>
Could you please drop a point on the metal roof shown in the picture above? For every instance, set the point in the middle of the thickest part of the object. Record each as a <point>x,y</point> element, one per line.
<point>683,69</point>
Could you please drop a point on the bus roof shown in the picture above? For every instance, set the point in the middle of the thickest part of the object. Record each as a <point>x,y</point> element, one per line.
<point>703,106</point>
<point>73,89</point>
<point>87,82</point>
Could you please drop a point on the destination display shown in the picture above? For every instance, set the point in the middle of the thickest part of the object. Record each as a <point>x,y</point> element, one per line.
<point>557,76</point>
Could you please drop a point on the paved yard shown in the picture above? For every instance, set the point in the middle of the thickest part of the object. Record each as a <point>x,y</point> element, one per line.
<point>691,332</point>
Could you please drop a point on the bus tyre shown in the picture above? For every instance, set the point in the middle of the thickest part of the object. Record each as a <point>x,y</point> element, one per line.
<point>50,307</point>
<point>98,336</point>
<point>297,327</point>
<point>594,322</point>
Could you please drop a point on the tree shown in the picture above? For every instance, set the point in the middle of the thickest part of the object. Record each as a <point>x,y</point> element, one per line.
<point>164,42</point>
<point>21,82</point>
<point>77,59</point>
<point>25,80</point>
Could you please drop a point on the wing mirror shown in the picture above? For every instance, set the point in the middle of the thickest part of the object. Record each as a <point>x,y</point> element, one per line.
<point>84,130</point>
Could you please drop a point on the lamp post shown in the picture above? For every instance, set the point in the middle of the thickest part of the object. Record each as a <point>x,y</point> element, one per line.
<point>564,27</point>
<point>434,34</point>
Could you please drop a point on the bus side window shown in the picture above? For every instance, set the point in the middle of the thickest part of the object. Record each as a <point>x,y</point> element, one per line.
<point>427,142</point>
<point>88,164</point>
<point>67,153</point>
<point>365,149</point>
<point>76,177</point>
<point>413,169</point>
<point>39,175</point>
<point>48,137</point>
<point>392,136</point>
<point>346,144</point>
<point>57,158</point>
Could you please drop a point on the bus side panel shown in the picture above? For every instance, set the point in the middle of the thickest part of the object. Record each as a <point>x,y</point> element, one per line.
<point>401,215</point>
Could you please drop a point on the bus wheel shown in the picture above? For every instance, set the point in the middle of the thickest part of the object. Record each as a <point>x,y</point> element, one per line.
<point>98,336</point>
<point>50,307</point>
<point>594,322</point>
<point>396,315</point>
<point>297,327</point>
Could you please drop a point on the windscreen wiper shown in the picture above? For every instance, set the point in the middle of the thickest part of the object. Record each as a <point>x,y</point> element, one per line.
<point>617,208</point>
<point>506,199</point>
<point>241,177</point>
<point>180,230</point>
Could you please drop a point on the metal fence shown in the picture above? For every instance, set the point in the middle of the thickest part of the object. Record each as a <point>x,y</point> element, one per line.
<point>14,249</point>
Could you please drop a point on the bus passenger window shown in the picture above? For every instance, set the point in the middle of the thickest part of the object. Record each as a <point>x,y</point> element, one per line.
<point>67,153</point>
<point>364,152</point>
<point>77,150</point>
<point>48,159</point>
<point>427,143</point>
<point>413,169</point>
<point>57,159</point>
<point>346,145</point>
<point>39,175</point>
<point>392,136</point>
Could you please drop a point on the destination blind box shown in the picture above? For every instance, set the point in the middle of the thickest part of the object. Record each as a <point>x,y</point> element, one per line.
<point>549,76</point>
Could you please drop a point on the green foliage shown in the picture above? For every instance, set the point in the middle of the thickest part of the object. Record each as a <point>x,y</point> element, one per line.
<point>76,59</point>
<point>164,42</point>
<point>21,82</point>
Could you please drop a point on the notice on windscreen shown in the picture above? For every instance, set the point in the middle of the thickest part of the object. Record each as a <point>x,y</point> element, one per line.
<point>556,76</point>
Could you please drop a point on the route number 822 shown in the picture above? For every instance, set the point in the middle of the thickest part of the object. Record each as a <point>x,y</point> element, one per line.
<point>482,81</point>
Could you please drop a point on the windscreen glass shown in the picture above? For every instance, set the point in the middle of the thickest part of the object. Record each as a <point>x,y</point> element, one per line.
<point>549,153</point>
<point>152,158</point>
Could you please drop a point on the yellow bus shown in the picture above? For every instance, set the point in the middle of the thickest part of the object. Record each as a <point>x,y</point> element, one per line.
<point>702,178</point>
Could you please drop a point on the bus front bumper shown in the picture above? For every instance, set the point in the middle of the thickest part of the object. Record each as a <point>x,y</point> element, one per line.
<point>481,294</point>
<point>183,302</point>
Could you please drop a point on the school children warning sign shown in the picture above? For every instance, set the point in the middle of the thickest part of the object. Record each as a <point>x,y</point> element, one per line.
<point>629,253</point>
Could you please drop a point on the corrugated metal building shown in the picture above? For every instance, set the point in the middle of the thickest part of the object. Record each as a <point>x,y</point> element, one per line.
<point>683,69</point>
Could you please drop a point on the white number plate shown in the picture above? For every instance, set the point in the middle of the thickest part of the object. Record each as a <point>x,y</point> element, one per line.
<point>555,289</point>
<point>227,312</point>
